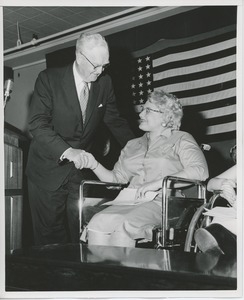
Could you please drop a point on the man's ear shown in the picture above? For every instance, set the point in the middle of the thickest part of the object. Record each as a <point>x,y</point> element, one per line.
<point>78,57</point>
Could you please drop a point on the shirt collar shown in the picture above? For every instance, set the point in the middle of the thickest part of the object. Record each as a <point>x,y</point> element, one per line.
<point>167,132</point>
<point>165,135</point>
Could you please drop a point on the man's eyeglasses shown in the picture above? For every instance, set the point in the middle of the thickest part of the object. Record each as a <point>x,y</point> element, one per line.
<point>95,67</point>
<point>148,110</point>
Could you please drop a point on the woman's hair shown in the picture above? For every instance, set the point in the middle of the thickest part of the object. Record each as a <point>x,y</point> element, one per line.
<point>89,40</point>
<point>170,105</point>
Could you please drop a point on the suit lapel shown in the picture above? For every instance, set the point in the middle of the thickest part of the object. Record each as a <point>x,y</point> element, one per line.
<point>70,91</point>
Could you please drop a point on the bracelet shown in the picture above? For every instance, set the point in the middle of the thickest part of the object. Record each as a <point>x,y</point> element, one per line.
<point>95,167</point>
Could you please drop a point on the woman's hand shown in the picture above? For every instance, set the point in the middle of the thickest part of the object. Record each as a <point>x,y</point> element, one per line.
<point>75,155</point>
<point>228,191</point>
<point>87,161</point>
<point>148,187</point>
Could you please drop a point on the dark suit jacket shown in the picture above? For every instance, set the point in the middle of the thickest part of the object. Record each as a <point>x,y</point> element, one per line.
<point>55,122</point>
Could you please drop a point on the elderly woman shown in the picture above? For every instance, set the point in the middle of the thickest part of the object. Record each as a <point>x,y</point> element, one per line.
<point>163,150</point>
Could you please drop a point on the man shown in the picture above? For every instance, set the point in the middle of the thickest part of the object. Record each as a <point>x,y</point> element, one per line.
<point>67,107</point>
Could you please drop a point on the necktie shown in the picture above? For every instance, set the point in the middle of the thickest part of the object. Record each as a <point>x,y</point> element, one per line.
<point>83,100</point>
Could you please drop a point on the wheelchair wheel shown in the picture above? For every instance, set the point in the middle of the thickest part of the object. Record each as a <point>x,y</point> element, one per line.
<point>196,222</point>
<point>201,221</point>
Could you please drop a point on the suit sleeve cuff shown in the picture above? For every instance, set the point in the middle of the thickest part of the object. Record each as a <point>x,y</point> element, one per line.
<point>63,160</point>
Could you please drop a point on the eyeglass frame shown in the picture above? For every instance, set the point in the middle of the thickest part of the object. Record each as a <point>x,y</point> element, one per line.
<point>95,67</point>
<point>148,109</point>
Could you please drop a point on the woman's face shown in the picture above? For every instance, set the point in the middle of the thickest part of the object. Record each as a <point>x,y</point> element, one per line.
<point>151,118</point>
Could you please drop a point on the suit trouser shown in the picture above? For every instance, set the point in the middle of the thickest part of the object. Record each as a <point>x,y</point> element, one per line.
<point>55,214</point>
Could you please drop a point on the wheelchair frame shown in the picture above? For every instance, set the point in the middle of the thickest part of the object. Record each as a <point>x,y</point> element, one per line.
<point>168,181</point>
<point>109,185</point>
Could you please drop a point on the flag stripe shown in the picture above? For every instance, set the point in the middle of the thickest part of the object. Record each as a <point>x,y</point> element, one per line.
<point>161,72</point>
<point>217,112</point>
<point>222,128</point>
<point>212,105</point>
<point>209,99</point>
<point>189,45</point>
<point>198,75</point>
<point>228,31</point>
<point>220,137</point>
<point>221,120</point>
<point>183,58</point>
<point>159,65</point>
<point>203,90</point>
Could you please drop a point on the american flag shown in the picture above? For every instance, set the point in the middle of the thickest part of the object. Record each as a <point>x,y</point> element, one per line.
<point>200,70</point>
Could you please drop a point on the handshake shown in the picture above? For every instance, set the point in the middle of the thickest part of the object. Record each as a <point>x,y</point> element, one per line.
<point>81,159</point>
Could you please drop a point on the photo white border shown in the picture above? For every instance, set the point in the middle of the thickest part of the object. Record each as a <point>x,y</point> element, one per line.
<point>138,294</point>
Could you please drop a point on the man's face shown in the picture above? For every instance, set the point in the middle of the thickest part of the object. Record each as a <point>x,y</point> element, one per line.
<point>91,62</point>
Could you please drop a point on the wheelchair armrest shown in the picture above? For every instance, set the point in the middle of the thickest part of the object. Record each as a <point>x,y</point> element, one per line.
<point>168,181</point>
<point>180,180</point>
<point>109,185</point>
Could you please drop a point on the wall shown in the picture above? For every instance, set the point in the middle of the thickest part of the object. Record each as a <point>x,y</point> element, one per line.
<point>16,114</point>
<point>16,110</point>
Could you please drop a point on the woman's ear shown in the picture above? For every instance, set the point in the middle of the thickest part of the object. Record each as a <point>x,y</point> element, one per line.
<point>170,122</point>
<point>166,120</point>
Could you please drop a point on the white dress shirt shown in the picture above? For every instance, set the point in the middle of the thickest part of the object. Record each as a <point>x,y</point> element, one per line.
<point>79,82</point>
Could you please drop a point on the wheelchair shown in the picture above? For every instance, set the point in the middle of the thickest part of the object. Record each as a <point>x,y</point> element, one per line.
<point>182,200</point>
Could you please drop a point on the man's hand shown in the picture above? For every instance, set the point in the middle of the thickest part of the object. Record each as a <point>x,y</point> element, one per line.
<point>81,158</point>
<point>75,155</point>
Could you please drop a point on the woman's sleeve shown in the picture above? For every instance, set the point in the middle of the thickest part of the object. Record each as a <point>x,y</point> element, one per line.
<point>192,158</point>
<point>121,172</point>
